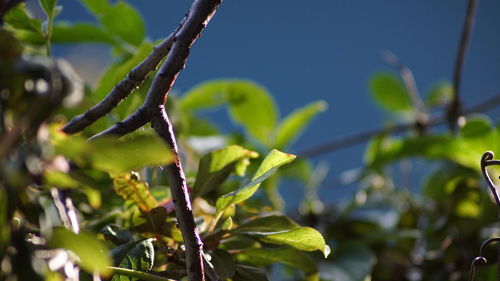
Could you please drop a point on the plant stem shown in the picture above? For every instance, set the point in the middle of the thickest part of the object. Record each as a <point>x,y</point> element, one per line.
<point>137,274</point>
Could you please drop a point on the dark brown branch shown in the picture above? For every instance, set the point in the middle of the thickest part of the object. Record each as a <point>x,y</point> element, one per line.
<point>130,124</point>
<point>180,196</point>
<point>122,90</point>
<point>455,105</point>
<point>397,128</point>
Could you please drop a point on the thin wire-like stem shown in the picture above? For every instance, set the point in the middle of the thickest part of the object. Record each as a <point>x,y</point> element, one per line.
<point>454,107</point>
<point>487,160</point>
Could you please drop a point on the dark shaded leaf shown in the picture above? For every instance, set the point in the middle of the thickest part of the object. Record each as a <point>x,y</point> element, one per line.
<point>140,257</point>
<point>223,263</point>
<point>122,251</point>
<point>248,273</point>
<point>352,262</point>
<point>271,223</point>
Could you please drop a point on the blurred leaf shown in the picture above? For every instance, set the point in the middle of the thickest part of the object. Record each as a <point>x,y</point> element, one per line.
<point>271,163</point>
<point>293,125</point>
<point>119,19</point>
<point>243,97</point>
<point>48,7</point>
<point>223,263</point>
<point>270,223</point>
<point>476,125</point>
<point>227,223</point>
<point>216,166</point>
<point>111,154</point>
<point>462,150</point>
<point>120,70</point>
<point>140,257</point>
<point>19,18</point>
<point>440,95</point>
<point>436,185</point>
<point>129,187</point>
<point>352,262</point>
<point>123,20</point>
<point>248,273</point>
<point>300,169</point>
<point>302,238</point>
<point>390,93</point>
<point>4,221</point>
<point>92,257</point>
<point>291,257</point>
<point>65,32</point>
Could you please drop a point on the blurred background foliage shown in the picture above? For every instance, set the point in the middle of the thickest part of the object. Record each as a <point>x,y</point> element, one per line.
<point>68,204</point>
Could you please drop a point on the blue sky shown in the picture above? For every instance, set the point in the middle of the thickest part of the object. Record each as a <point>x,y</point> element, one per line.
<point>327,50</point>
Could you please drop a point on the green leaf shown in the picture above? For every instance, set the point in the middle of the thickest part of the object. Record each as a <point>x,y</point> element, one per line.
<point>120,252</point>
<point>271,163</point>
<point>271,223</point>
<point>291,127</point>
<point>216,166</point>
<point>243,98</point>
<point>301,238</point>
<point>48,7</point>
<point>111,154</point>
<point>120,19</point>
<point>291,257</point>
<point>140,257</point>
<point>352,262</point>
<point>223,263</point>
<point>116,235</point>
<point>92,257</point>
<point>65,32</point>
<point>440,95</point>
<point>4,221</point>
<point>390,93</point>
<point>476,125</point>
<point>129,187</point>
<point>119,70</point>
<point>248,273</point>
<point>19,18</point>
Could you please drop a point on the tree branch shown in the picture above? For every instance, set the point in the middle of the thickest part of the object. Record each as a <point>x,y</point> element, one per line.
<point>397,128</point>
<point>180,196</point>
<point>455,105</point>
<point>130,124</point>
<point>123,89</point>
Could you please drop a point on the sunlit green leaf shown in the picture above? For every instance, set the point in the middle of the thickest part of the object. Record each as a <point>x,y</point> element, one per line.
<point>290,127</point>
<point>48,6</point>
<point>123,20</point>
<point>111,154</point>
<point>302,238</point>
<point>291,257</point>
<point>271,163</point>
<point>129,187</point>
<point>242,97</point>
<point>216,166</point>
<point>390,93</point>
<point>92,257</point>
<point>96,7</point>
<point>19,18</point>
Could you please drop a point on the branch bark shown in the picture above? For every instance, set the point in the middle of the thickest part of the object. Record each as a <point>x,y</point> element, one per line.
<point>455,105</point>
<point>153,110</point>
<point>397,128</point>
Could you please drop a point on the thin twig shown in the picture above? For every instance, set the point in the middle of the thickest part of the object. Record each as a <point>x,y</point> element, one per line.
<point>397,128</point>
<point>122,90</point>
<point>180,195</point>
<point>455,105</point>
